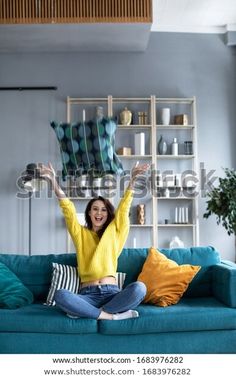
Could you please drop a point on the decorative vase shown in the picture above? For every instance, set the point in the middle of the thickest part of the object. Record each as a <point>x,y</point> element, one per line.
<point>99,113</point>
<point>176,243</point>
<point>142,118</point>
<point>175,147</point>
<point>84,115</point>
<point>165,116</point>
<point>125,117</point>
<point>188,147</point>
<point>139,144</point>
<point>162,146</point>
<point>141,214</point>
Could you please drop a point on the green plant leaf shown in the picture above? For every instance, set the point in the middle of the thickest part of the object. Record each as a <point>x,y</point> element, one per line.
<point>222,202</point>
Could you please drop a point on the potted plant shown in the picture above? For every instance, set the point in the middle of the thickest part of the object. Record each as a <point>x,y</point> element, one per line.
<point>222,202</point>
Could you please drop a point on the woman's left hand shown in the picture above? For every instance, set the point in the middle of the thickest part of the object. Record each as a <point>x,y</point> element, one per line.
<point>137,170</point>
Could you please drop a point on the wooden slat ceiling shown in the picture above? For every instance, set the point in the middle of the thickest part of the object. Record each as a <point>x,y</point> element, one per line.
<point>75,11</point>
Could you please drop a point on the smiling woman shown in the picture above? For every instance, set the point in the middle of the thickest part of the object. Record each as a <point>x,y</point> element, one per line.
<point>98,245</point>
<point>98,214</point>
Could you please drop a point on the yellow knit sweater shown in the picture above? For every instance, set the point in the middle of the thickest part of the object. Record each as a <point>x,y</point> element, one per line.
<point>96,257</point>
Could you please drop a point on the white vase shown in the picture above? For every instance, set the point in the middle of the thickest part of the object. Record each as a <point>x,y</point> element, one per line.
<point>176,243</point>
<point>165,116</point>
<point>139,144</point>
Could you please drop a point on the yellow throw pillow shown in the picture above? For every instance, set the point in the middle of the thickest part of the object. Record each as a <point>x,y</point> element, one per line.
<point>166,281</point>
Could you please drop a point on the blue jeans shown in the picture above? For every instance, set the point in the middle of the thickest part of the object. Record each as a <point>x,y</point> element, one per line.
<point>93,299</point>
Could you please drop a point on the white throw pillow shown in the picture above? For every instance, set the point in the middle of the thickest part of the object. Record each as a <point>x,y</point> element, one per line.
<point>66,277</point>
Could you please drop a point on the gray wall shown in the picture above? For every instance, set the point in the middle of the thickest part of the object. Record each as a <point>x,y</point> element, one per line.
<point>173,65</point>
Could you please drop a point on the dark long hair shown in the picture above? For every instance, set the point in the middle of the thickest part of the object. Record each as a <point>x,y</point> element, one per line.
<point>110,214</point>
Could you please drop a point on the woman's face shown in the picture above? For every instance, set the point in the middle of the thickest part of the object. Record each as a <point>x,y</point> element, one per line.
<point>98,215</point>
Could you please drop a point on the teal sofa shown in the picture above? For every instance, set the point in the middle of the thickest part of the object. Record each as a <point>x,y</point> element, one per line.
<point>203,321</point>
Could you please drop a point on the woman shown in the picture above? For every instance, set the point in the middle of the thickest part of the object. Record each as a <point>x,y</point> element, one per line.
<point>98,246</point>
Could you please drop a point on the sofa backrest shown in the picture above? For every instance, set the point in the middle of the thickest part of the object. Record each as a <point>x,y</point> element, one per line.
<point>36,271</point>
<point>132,259</point>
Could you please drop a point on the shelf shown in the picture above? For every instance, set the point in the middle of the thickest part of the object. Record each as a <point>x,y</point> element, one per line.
<point>138,100</point>
<point>141,225</point>
<point>167,127</point>
<point>175,127</point>
<point>175,156</point>
<point>176,198</point>
<point>135,156</point>
<point>176,187</point>
<point>174,100</point>
<point>134,127</point>
<point>176,225</point>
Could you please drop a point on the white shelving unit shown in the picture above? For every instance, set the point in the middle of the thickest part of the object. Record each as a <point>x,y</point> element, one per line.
<point>155,231</point>
<point>188,162</point>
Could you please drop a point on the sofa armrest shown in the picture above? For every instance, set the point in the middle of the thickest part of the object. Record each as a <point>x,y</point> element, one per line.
<point>224,282</point>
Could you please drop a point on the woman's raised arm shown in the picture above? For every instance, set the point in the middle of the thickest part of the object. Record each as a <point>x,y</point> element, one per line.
<point>48,173</point>
<point>125,202</point>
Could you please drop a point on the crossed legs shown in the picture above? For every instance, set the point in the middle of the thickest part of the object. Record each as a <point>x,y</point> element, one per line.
<point>102,302</point>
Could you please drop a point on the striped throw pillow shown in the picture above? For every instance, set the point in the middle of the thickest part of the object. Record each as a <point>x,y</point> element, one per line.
<point>66,277</point>
<point>120,279</point>
<point>63,277</point>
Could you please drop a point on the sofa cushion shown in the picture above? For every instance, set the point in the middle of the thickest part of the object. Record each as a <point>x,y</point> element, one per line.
<point>189,314</point>
<point>166,281</point>
<point>13,293</point>
<point>63,277</point>
<point>88,145</point>
<point>38,318</point>
<point>205,257</point>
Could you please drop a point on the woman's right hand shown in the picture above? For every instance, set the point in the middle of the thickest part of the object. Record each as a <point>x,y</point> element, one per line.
<point>47,172</point>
